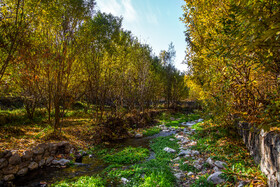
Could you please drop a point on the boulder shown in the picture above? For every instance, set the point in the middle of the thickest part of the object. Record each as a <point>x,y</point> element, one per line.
<point>176,159</point>
<point>27,155</point>
<point>180,138</point>
<point>139,135</point>
<point>198,166</point>
<point>216,169</point>
<point>10,170</point>
<point>190,173</point>
<point>49,160</point>
<point>42,162</point>
<point>61,162</point>
<point>22,172</point>
<point>220,164</point>
<point>24,164</point>
<point>186,152</point>
<point>179,175</point>
<point>124,180</point>
<point>38,150</point>
<point>53,148</point>
<point>169,150</point>
<point>15,159</point>
<point>242,183</point>
<point>46,154</point>
<point>3,163</point>
<point>210,162</point>
<point>195,153</point>
<point>37,158</point>
<point>215,178</point>
<point>9,177</point>
<point>171,139</point>
<point>33,165</point>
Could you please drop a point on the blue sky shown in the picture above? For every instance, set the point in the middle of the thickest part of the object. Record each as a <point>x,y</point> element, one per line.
<point>155,22</point>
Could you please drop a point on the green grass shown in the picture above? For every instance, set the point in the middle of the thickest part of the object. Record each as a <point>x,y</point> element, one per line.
<point>84,181</point>
<point>128,155</point>
<point>222,143</point>
<point>155,172</point>
<point>151,131</point>
<point>187,167</point>
<point>202,182</point>
<point>165,118</point>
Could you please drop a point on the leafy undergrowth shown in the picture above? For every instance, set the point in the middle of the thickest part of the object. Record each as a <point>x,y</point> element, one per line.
<point>224,144</point>
<point>175,120</point>
<point>154,172</point>
<point>151,131</point>
<point>84,181</point>
<point>128,155</point>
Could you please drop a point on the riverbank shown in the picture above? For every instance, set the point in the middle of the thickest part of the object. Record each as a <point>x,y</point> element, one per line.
<point>180,150</point>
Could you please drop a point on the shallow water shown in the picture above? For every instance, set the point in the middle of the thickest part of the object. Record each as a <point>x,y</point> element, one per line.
<point>89,167</point>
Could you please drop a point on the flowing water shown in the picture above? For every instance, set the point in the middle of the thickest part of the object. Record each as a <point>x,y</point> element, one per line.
<point>89,166</point>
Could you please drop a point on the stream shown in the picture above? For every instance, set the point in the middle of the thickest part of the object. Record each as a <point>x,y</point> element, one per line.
<point>89,166</point>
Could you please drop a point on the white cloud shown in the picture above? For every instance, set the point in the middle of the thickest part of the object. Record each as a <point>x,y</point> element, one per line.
<point>122,8</point>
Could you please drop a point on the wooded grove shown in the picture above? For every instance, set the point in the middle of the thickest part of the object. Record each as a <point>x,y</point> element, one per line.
<point>56,53</point>
<point>233,54</point>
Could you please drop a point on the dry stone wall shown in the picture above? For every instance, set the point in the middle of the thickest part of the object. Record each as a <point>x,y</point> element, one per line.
<point>265,149</point>
<point>13,164</point>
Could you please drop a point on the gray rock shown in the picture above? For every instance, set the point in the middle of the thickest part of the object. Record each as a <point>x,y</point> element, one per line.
<point>42,162</point>
<point>215,178</point>
<point>27,155</point>
<point>242,183</point>
<point>14,159</point>
<point>179,175</point>
<point>195,153</point>
<point>186,152</point>
<point>61,162</point>
<point>198,166</point>
<point>124,180</point>
<point>185,141</point>
<point>176,159</point>
<point>171,139</point>
<point>24,164</point>
<point>216,169</point>
<point>49,160</point>
<point>172,119</point>
<point>22,172</point>
<point>33,165</point>
<point>220,164</point>
<point>10,170</point>
<point>190,173</point>
<point>138,135</point>
<point>3,163</point>
<point>9,177</point>
<point>210,162</point>
<point>166,130</point>
<point>38,150</point>
<point>169,150</point>
<point>180,138</point>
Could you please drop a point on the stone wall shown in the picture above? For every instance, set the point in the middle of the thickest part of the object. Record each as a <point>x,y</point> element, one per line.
<point>265,149</point>
<point>13,164</point>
